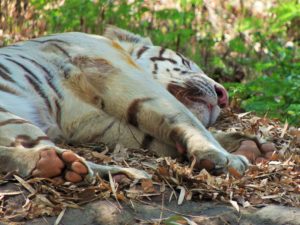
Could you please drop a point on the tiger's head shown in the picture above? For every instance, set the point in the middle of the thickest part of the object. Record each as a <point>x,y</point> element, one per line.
<point>180,76</point>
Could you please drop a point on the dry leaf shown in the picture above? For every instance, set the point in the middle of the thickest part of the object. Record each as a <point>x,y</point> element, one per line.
<point>163,171</point>
<point>234,172</point>
<point>147,186</point>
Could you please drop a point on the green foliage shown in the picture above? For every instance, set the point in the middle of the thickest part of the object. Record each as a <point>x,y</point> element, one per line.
<point>275,85</point>
<point>275,96</point>
<point>232,43</point>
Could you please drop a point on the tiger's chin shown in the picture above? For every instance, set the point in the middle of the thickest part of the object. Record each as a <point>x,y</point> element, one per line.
<point>207,115</point>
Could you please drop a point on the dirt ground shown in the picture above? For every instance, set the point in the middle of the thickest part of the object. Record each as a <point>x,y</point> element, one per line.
<point>268,194</point>
<point>157,209</point>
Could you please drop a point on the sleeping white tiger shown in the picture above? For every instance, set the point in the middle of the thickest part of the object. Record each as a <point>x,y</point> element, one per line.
<point>77,88</point>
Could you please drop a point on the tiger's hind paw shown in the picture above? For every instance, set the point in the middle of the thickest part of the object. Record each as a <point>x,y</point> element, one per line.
<point>257,153</point>
<point>66,165</point>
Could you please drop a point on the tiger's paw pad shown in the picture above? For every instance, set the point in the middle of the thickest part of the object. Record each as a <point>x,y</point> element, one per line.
<point>217,163</point>
<point>257,153</point>
<point>67,166</point>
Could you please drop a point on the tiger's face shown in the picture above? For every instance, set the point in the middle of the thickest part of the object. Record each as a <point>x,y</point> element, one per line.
<point>185,80</point>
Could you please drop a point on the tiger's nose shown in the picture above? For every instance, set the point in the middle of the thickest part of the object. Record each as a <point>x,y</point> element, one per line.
<point>222,96</point>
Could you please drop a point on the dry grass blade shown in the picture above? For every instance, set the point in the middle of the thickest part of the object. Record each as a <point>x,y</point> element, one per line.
<point>113,188</point>
<point>284,130</point>
<point>181,195</point>
<point>235,205</point>
<point>112,185</point>
<point>60,216</point>
<point>10,193</point>
<point>25,184</point>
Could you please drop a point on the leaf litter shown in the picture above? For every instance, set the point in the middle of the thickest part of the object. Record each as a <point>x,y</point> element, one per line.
<point>274,182</point>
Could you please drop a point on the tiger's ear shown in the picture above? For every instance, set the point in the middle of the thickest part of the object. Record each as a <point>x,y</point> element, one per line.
<point>118,34</point>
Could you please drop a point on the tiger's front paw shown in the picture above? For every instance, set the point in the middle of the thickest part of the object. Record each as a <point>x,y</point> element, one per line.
<point>62,164</point>
<point>218,162</point>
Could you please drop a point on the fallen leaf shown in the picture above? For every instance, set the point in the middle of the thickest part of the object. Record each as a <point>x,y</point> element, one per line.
<point>147,186</point>
<point>232,171</point>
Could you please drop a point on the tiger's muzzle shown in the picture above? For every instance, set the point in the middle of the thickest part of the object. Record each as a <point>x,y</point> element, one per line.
<point>203,96</point>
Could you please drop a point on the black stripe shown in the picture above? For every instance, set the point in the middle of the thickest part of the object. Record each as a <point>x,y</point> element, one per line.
<point>27,142</point>
<point>187,63</point>
<point>5,73</point>
<point>25,69</point>
<point>13,46</point>
<point>3,110</point>
<point>134,108</point>
<point>161,52</point>
<point>58,113</point>
<point>4,68</point>
<point>61,49</point>
<point>37,64</point>
<point>49,76</point>
<point>39,90</point>
<point>141,51</point>
<point>106,129</point>
<point>97,137</point>
<point>52,42</point>
<point>184,61</point>
<point>13,121</point>
<point>177,136</point>
<point>7,89</point>
<point>6,55</point>
<point>49,40</point>
<point>155,68</point>
<point>163,59</point>
<point>147,141</point>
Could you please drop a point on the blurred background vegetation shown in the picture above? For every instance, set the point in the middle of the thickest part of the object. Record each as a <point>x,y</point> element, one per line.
<point>251,46</point>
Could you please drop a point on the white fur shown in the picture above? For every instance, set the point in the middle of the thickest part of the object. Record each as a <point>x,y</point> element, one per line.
<point>99,82</point>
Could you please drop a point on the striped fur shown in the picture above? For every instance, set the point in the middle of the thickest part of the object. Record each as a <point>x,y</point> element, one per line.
<point>79,88</point>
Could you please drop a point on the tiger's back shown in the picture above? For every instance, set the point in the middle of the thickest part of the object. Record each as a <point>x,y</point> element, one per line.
<point>33,81</point>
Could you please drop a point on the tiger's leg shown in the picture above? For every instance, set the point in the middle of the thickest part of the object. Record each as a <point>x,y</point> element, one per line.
<point>246,145</point>
<point>25,148</point>
<point>128,94</point>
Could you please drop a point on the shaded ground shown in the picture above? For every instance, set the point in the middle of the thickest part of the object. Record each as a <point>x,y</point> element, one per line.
<point>151,212</point>
<point>267,194</point>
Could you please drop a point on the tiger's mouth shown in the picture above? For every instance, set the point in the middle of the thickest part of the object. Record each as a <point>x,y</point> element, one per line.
<point>205,109</point>
<point>197,99</point>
